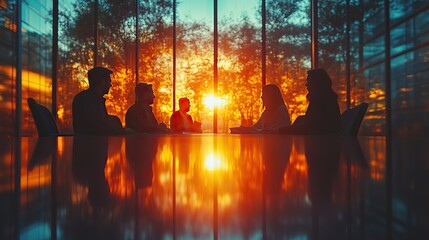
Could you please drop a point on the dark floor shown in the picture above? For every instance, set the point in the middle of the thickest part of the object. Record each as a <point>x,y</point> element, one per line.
<point>224,187</point>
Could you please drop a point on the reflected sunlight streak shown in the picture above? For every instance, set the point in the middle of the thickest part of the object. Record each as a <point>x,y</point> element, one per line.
<point>212,162</point>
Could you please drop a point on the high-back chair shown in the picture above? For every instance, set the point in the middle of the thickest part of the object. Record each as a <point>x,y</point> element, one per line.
<point>45,122</point>
<point>351,119</point>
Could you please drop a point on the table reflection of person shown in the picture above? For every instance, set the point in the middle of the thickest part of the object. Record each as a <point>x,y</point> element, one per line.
<point>141,153</point>
<point>89,160</point>
<point>275,152</point>
<point>43,152</point>
<point>181,121</point>
<point>90,155</point>
<point>323,157</point>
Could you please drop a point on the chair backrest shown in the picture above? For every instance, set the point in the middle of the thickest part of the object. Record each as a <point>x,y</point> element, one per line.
<point>45,122</point>
<point>351,119</point>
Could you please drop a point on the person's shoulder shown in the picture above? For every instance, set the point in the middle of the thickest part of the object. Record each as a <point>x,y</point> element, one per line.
<point>81,93</point>
<point>81,96</point>
<point>131,109</point>
<point>175,114</point>
<point>84,94</point>
<point>282,108</point>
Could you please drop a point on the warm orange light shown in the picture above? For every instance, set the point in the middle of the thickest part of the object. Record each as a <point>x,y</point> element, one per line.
<point>212,162</point>
<point>211,101</point>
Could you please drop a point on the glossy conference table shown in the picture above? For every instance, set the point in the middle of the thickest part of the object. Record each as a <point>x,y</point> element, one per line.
<point>213,186</point>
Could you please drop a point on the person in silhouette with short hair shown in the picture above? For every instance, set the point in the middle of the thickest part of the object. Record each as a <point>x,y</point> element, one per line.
<point>181,121</point>
<point>139,116</point>
<point>323,113</point>
<point>89,106</point>
<point>276,113</point>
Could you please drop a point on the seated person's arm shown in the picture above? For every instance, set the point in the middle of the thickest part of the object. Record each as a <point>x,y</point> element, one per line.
<point>259,124</point>
<point>281,119</point>
<point>175,124</point>
<point>298,126</point>
<point>114,125</point>
<point>162,127</point>
<point>196,127</point>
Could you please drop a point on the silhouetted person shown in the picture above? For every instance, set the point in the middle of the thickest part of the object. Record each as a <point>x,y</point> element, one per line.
<point>323,113</point>
<point>181,121</point>
<point>276,113</point>
<point>139,116</point>
<point>89,108</point>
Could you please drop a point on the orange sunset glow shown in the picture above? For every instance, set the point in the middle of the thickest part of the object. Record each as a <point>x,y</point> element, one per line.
<point>214,119</point>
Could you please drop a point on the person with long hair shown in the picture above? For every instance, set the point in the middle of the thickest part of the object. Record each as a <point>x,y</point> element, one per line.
<point>275,114</point>
<point>323,113</point>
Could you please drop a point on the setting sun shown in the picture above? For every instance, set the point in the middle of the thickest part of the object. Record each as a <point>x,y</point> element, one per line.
<point>211,101</point>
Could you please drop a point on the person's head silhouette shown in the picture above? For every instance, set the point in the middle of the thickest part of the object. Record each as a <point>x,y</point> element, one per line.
<point>144,93</point>
<point>184,105</point>
<point>318,80</point>
<point>319,86</point>
<point>271,96</point>
<point>99,80</point>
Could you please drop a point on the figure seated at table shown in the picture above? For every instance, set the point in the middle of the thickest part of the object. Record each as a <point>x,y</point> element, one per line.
<point>275,115</point>
<point>181,121</point>
<point>139,116</point>
<point>89,109</point>
<point>323,113</point>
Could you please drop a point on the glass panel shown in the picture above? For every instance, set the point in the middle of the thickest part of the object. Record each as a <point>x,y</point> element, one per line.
<point>239,65</point>
<point>7,67</point>
<point>195,50</point>
<point>401,9</point>
<point>421,28</point>
<point>375,116</point>
<point>288,51</point>
<point>156,54</point>
<point>37,58</point>
<point>373,17</point>
<point>371,80</point>
<point>357,87</point>
<point>76,45</point>
<point>117,51</point>
<point>240,81</point>
<point>332,45</point>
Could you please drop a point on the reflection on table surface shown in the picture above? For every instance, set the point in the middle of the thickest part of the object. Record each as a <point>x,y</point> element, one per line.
<point>208,186</point>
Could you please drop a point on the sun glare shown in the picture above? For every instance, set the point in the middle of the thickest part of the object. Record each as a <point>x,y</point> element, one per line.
<point>211,101</point>
<point>212,162</point>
